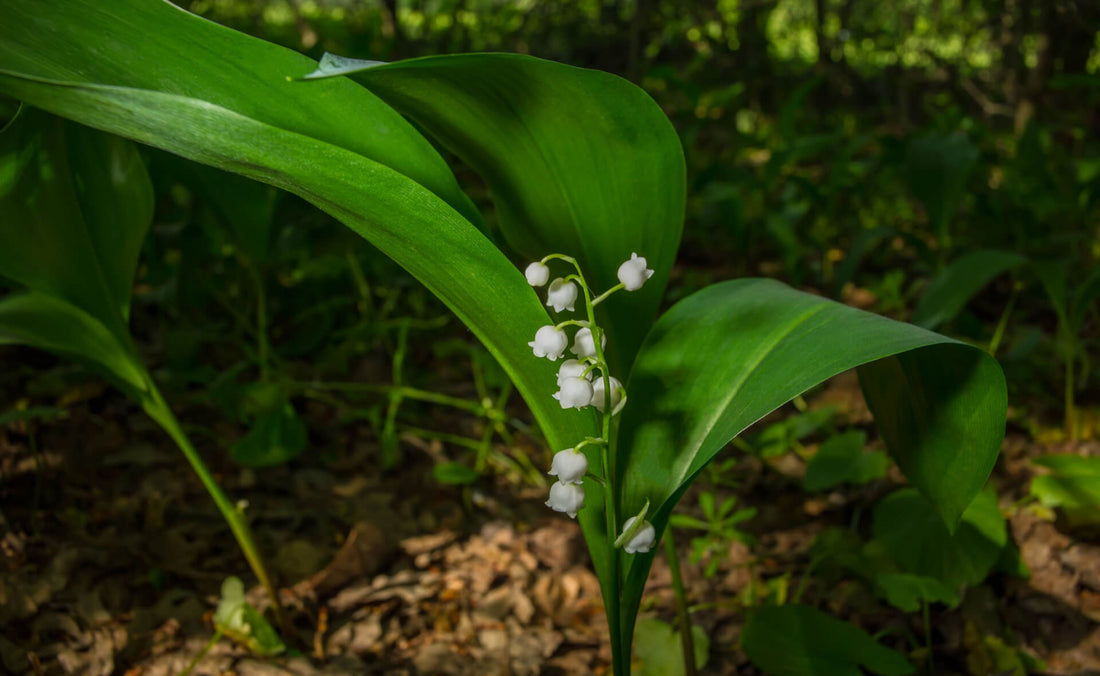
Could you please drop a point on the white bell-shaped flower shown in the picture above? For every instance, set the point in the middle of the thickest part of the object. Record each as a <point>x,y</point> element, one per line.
<point>537,274</point>
<point>633,273</point>
<point>561,295</point>
<point>549,342</point>
<point>583,344</point>
<point>642,541</point>
<point>571,368</point>
<point>569,466</point>
<point>598,394</point>
<point>567,498</point>
<point>574,393</point>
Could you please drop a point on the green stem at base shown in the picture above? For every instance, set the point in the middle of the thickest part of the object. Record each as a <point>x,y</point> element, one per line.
<point>158,410</point>
<point>687,641</point>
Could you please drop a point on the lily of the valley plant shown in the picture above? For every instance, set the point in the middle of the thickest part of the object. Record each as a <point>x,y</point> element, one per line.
<point>577,161</point>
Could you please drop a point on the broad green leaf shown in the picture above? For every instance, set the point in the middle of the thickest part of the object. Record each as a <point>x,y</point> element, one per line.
<point>953,287</point>
<point>914,536</point>
<point>579,162</point>
<point>728,355</point>
<point>49,323</point>
<point>76,204</point>
<point>842,459</point>
<point>154,45</point>
<point>397,215</point>
<point>277,436</point>
<point>802,641</point>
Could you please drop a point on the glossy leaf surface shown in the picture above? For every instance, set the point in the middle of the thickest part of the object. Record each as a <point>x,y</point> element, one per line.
<point>579,162</point>
<point>154,45</point>
<point>76,205</point>
<point>726,356</point>
<point>401,218</point>
<point>52,324</point>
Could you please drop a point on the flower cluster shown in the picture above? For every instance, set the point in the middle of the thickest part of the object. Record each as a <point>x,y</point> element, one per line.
<point>584,381</point>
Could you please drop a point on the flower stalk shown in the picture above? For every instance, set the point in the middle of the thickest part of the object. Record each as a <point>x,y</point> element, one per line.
<point>582,382</point>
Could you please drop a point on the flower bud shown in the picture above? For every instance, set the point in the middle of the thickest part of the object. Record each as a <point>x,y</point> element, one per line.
<point>574,393</point>
<point>598,394</point>
<point>567,498</point>
<point>549,342</point>
<point>642,541</point>
<point>561,295</point>
<point>583,344</point>
<point>571,368</point>
<point>633,273</point>
<point>537,274</point>
<point>569,466</point>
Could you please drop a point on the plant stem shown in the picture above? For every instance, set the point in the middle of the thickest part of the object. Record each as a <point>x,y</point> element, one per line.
<point>999,331</point>
<point>202,653</point>
<point>158,410</point>
<point>687,642</point>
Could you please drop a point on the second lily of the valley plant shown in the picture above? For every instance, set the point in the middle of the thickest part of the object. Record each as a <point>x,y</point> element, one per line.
<point>577,161</point>
<point>587,381</point>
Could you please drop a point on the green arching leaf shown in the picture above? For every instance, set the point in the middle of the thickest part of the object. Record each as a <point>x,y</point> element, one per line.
<point>726,356</point>
<point>802,641</point>
<point>397,215</point>
<point>76,204</point>
<point>579,162</point>
<point>914,536</point>
<point>113,43</point>
<point>52,324</point>
<point>405,221</point>
<point>953,287</point>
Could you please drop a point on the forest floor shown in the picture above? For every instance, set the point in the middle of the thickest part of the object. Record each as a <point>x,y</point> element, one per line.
<point>112,557</point>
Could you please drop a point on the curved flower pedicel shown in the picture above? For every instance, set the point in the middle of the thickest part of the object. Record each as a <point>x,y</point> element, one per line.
<point>585,381</point>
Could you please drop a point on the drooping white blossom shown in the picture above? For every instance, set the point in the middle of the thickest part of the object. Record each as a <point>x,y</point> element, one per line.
<point>567,498</point>
<point>633,273</point>
<point>598,393</point>
<point>642,541</point>
<point>549,342</point>
<point>574,393</point>
<point>561,295</point>
<point>537,274</point>
<point>571,368</point>
<point>583,344</point>
<point>569,466</point>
